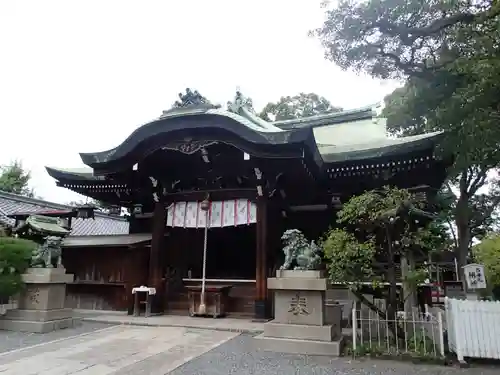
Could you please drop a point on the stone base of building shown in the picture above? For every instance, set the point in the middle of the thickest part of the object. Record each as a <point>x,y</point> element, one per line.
<point>299,320</point>
<point>300,332</point>
<point>294,346</point>
<point>24,324</point>
<point>41,304</point>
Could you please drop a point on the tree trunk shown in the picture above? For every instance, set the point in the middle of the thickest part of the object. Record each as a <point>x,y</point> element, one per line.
<point>463,232</point>
<point>392,303</point>
<point>409,290</point>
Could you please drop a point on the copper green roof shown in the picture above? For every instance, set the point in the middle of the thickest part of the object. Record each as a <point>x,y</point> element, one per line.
<point>109,240</point>
<point>102,224</point>
<point>327,119</point>
<point>207,124</point>
<point>84,174</point>
<point>195,119</point>
<point>385,147</point>
<point>45,225</point>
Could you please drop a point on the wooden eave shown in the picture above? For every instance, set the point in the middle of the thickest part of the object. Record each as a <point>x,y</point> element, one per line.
<point>204,127</point>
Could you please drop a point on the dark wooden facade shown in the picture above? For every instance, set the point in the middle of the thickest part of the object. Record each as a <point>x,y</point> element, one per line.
<point>196,152</point>
<point>105,276</point>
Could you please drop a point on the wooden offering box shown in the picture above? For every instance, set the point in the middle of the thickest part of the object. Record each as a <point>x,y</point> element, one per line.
<point>215,299</point>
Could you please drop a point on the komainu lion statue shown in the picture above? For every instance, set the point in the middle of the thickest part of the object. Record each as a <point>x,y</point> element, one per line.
<point>48,254</point>
<point>299,254</point>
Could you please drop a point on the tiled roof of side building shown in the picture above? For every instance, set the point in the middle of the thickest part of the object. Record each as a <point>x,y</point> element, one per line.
<point>103,224</point>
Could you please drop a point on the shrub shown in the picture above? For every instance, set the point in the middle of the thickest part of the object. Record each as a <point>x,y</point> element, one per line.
<point>15,256</point>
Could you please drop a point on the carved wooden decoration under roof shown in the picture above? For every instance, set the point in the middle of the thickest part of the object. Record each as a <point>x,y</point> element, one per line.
<point>188,146</point>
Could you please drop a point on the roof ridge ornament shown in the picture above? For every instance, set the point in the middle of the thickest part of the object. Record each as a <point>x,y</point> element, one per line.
<point>240,101</point>
<point>192,99</point>
<point>243,106</point>
<point>378,108</point>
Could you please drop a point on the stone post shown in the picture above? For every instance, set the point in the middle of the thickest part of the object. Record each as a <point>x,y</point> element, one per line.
<point>299,316</point>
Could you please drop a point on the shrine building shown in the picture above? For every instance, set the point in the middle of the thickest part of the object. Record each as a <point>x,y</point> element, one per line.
<point>255,178</point>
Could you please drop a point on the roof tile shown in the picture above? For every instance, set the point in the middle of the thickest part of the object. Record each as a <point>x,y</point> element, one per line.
<point>102,224</point>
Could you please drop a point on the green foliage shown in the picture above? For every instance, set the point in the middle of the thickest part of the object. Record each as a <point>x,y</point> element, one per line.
<point>375,222</point>
<point>14,179</point>
<point>395,38</point>
<point>416,345</point>
<point>379,225</point>
<point>15,256</point>
<point>433,238</point>
<point>416,277</point>
<point>488,253</point>
<point>422,106</point>
<point>371,349</point>
<point>449,104</point>
<point>378,207</point>
<point>448,53</point>
<point>350,261</point>
<point>298,106</point>
<point>421,344</point>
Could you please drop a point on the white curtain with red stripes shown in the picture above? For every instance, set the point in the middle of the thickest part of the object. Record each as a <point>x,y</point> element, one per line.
<point>228,213</point>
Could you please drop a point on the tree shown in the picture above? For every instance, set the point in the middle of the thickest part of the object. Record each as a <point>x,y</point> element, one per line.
<point>448,53</point>
<point>407,38</point>
<point>15,256</point>
<point>14,179</point>
<point>488,253</point>
<point>378,224</point>
<point>422,106</point>
<point>298,106</point>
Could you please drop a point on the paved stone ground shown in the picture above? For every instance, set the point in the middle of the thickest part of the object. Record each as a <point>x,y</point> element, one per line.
<point>116,350</point>
<point>98,349</point>
<point>239,357</point>
<point>16,340</point>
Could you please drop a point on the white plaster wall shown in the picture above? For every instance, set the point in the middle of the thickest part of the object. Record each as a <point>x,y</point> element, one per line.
<point>354,132</point>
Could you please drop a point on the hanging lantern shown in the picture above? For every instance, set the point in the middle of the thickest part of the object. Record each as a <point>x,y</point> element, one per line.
<point>336,202</point>
<point>85,212</point>
<point>20,223</point>
<point>137,209</point>
<point>64,222</point>
<point>205,205</point>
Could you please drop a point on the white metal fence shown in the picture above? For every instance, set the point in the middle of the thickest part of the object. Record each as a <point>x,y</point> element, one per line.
<point>408,333</point>
<point>473,328</point>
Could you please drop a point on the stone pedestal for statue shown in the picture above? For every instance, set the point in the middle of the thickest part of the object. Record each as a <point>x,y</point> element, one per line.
<point>299,316</point>
<point>41,304</point>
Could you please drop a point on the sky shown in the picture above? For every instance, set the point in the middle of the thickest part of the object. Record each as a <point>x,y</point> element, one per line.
<point>80,76</point>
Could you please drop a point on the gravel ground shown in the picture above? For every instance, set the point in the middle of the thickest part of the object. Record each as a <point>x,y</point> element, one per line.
<point>239,357</point>
<point>16,340</point>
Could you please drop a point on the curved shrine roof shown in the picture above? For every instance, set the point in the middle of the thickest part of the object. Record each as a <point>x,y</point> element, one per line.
<point>196,120</point>
<point>326,119</point>
<point>388,147</point>
<point>201,124</point>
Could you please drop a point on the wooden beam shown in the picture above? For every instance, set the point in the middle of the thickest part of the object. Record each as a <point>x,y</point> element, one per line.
<point>215,194</point>
<point>156,256</point>
<point>261,301</point>
<point>310,207</point>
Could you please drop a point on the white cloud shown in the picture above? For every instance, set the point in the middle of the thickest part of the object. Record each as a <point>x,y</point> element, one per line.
<point>80,76</point>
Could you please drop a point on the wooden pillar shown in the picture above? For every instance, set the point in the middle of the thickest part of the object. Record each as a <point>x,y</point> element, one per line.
<point>155,256</point>
<point>261,301</point>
